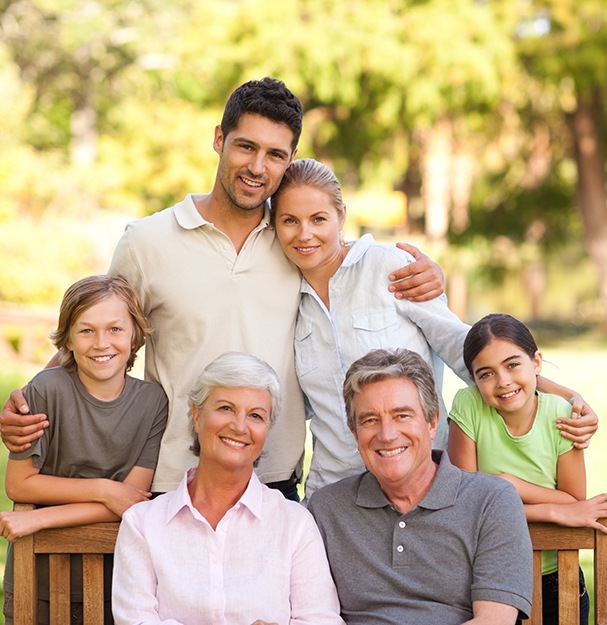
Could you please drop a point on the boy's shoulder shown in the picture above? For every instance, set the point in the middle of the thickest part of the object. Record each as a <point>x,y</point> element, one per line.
<point>146,386</point>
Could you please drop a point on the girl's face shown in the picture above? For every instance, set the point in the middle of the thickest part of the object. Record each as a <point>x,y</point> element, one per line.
<point>101,339</point>
<point>308,226</point>
<point>507,377</point>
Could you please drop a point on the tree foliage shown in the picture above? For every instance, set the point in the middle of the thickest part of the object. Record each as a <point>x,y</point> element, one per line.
<point>113,102</point>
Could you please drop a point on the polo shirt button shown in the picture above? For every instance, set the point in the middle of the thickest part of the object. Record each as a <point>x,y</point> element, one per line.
<point>402,524</point>
<point>400,549</point>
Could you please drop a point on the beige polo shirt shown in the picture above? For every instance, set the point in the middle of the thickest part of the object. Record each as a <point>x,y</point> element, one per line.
<point>203,299</point>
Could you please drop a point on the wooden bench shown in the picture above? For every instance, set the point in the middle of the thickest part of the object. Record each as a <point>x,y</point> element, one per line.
<point>567,541</point>
<point>92,541</point>
<point>95,540</point>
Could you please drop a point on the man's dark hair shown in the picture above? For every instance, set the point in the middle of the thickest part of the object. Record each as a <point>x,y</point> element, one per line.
<point>267,97</point>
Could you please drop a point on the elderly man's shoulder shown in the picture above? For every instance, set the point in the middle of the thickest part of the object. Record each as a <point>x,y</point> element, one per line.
<point>336,494</point>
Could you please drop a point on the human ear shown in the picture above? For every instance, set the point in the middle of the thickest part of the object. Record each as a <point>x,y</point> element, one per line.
<point>537,361</point>
<point>218,140</point>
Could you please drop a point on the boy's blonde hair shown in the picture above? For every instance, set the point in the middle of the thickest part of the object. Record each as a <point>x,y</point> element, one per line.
<point>86,293</point>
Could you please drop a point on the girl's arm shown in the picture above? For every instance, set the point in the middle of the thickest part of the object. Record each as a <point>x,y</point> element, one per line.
<point>571,480</point>
<point>25,483</point>
<point>461,448</point>
<point>14,525</point>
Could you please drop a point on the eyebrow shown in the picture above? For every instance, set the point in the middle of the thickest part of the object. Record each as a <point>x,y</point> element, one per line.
<point>393,411</point>
<point>286,153</point>
<point>514,357</point>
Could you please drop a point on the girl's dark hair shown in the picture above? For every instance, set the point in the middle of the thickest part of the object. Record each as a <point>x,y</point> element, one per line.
<point>497,326</point>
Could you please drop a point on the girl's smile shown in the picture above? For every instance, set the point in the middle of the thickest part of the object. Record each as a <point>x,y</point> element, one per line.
<point>507,379</point>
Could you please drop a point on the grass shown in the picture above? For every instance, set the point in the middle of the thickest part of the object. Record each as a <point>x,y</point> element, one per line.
<point>577,365</point>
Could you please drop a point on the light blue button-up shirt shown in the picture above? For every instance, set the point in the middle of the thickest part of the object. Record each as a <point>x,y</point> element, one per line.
<point>364,315</point>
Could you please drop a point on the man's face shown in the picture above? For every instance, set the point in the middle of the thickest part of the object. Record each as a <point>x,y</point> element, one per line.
<point>252,160</point>
<point>394,438</point>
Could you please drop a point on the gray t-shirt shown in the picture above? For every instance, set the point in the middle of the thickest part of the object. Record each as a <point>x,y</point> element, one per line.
<point>90,438</point>
<point>466,541</point>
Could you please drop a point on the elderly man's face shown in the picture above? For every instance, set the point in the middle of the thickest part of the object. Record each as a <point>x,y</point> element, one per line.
<point>394,438</point>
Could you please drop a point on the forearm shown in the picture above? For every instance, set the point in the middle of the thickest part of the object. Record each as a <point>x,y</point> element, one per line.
<point>548,513</point>
<point>545,385</point>
<point>71,514</point>
<point>51,490</point>
<point>534,494</point>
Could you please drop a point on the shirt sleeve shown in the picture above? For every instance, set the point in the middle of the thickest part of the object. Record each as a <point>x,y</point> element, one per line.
<point>125,263</point>
<point>444,331</point>
<point>149,454</point>
<point>503,563</point>
<point>134,579</point>
<point>39,448</point>
<point>463,412</point>
<point>313,595</point>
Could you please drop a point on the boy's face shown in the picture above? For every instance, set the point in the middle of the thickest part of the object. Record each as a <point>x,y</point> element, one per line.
<point>252,160</point>
<point>101,340</point>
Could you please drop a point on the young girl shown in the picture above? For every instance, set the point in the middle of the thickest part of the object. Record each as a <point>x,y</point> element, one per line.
<point>504,426</point>
<point>98,455</point>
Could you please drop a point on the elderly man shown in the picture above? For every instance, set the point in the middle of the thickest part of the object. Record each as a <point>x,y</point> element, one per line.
<point>415,540</point>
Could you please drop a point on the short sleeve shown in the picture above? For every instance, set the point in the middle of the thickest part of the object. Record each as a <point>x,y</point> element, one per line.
<point>466,411</point>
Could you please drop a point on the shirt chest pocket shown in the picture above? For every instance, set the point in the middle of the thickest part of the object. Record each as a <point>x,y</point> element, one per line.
<point>305,358</point>
<point>376,329</point>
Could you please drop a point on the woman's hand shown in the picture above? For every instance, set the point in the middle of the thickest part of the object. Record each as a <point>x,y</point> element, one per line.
<point>424,278</point>
<point>582,424</point>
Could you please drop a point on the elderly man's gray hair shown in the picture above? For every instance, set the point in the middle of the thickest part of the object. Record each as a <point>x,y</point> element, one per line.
<point>233,370</point>
<point>382,364</point>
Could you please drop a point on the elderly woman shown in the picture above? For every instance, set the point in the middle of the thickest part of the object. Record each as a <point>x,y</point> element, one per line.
<point>223,548</point>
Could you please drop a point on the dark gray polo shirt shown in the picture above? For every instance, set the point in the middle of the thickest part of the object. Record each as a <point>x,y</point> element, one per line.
<point>466,541</point>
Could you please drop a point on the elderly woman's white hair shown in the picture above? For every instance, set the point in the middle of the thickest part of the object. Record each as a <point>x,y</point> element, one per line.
<point>233,370</point>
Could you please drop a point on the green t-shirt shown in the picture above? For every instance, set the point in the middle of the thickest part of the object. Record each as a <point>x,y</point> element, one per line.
<point>532,457</point>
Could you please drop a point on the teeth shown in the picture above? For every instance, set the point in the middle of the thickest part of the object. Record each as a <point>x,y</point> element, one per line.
<point>102,358</point>
<point>386,453</point>
<point>507,395</point>
<point>305,249</point>
<point>251,183</point>
<point>233,443</point>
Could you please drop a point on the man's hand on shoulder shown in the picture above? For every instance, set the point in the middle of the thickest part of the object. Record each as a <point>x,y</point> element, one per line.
<point>18,427</point>
<point>420,281</point>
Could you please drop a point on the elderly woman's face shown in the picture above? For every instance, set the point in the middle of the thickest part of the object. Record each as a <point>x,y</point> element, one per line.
<point>232,425</point>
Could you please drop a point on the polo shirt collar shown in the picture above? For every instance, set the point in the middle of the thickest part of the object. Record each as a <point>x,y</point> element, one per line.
<point>189,218</point>
<point>442,493</point>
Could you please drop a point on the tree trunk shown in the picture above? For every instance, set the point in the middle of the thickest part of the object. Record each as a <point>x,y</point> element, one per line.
<point>436,177</point>
<point>591,192</point>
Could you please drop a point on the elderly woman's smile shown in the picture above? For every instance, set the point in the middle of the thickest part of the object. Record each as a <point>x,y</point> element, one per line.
<point>232,424</point>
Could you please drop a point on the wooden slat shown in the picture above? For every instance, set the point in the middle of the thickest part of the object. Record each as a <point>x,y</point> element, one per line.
<point>94,538</point>
<point>25,604</point>
<point>600,577</point>
<point>551,536</point>
<point>59,588</point>
<point>536,609</point>
<point>92,572</point>
<point>569,594</point>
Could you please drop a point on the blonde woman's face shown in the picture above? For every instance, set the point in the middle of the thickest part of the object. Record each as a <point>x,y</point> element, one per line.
<point>308,227</point>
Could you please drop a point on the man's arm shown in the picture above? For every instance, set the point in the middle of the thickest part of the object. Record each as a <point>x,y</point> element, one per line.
<point>424,278</point>
<point>18,427</point>
<point>492,613</point>
<point>582,424</point>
